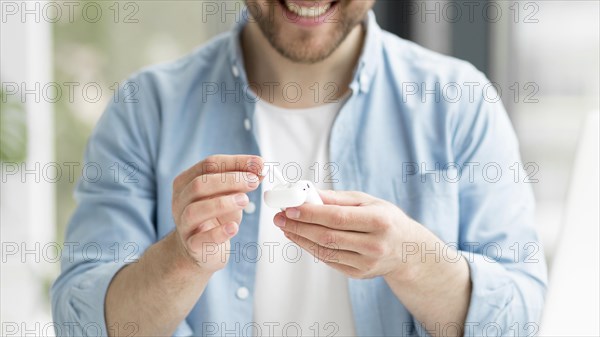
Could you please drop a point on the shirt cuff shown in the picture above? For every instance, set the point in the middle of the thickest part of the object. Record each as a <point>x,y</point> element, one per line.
<point>83,309</point>
<point>491,295</point>
<point>86,299</point>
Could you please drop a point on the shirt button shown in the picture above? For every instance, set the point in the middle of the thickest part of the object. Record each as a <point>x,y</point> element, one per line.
<point>242,293</point>
<point>235,71</point>
<point>247,124</point>
<point>250,208</point>
<point>364,82</point>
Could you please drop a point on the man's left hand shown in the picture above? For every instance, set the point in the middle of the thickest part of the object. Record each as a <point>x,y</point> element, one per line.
<point>355,233</point>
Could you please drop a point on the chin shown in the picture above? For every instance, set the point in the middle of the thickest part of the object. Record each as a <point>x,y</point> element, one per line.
<point>308,52</point>
<point>306,31</point>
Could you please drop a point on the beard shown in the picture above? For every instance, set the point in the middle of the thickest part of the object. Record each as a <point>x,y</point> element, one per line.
<point>305,45</point>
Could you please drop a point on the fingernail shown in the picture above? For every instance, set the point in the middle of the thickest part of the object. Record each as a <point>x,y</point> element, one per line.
<point>241,199</point>
<point>265,171</point>
<point>253,164</point>
<point>252,180</point>
<point>279,220</point>
<point>231,228</point>
<point>292,213</point>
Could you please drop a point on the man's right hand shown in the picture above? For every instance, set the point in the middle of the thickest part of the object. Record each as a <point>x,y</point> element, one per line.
<point>160,290</point>
<point>207,204</point>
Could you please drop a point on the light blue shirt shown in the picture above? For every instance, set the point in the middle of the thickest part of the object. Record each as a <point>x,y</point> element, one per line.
<point>415,120</point>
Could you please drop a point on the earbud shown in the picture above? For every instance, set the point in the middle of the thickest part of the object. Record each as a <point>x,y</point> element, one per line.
<point>312,194</point>
<point>285,194</point>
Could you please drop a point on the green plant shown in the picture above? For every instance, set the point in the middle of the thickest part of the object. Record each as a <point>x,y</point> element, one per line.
<point>13,129</point>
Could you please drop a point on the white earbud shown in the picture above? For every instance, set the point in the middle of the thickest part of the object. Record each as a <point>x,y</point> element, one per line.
<point>285,194</point>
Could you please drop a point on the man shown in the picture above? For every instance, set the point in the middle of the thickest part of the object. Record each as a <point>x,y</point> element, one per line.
<point>429,230</point>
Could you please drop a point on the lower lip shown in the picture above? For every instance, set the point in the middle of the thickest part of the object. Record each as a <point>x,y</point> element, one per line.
<point>292,17</point>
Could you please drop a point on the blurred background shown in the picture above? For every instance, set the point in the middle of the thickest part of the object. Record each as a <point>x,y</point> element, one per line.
<point>61,62</point>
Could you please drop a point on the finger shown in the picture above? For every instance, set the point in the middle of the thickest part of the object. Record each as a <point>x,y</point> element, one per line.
<point>210,185</point>
<point>198,212</point>
<point>325,254</point>
<point>324,236</point>
<point>353,218</point>
<point>219,164</point>
<point>235,216</point>
<point>344,198</point>
<point>204,242</point>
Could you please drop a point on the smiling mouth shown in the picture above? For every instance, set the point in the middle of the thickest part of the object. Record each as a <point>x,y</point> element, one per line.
<point>308,9</point>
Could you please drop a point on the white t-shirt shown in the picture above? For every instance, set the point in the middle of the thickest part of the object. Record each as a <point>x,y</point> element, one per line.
<point>295,294</point>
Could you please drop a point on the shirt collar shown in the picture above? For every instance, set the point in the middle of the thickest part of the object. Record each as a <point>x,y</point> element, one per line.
<point>365,69</point>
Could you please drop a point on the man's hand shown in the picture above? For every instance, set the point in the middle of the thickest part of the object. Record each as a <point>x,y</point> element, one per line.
<point>207,205</point>
<point>353,232</point>
<point>363,237</point>
<point>160,290</point>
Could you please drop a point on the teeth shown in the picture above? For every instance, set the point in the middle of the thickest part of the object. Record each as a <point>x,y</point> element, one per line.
<point>308,12</point>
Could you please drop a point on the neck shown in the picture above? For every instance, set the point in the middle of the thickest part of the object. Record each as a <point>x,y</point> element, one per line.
<point>319,83</point>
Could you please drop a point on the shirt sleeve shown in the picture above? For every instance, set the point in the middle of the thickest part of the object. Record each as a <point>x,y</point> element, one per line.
<point>115,220</point>
<point>497,236</point>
